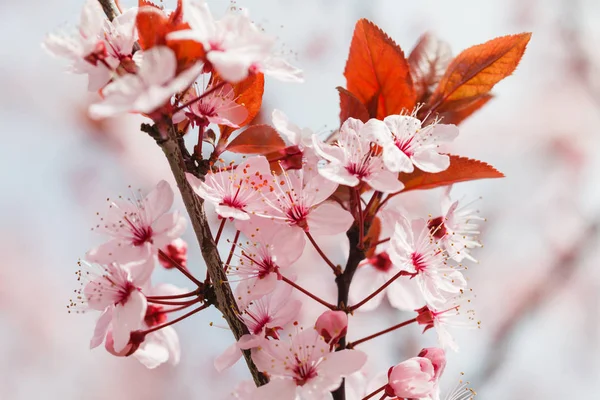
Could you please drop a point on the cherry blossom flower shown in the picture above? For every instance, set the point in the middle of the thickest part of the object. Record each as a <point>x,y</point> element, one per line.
<point>457,314</point>
<point>99,46</point>
<point>297,202</point>
<point>149,89</point>
<point>304,368</point>
<point>115,290</point>
<point>354,159</point>
<point>413,249</point>
<point>235,193</point>
<point>262,258</point>
<point>263,317</point>
<point>234,46</point>
<point>332,325</point>
<point>457,228</point>
<point>176,251</point>
<point>413,378</point>
<point>403,293</point>
<point>300,150</point>
<point>215,107</point>
<point>406,144</point>
<point>139,227</point>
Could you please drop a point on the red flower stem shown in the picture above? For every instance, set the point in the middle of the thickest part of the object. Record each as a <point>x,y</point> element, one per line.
<point>377,243</point>
<point>198,147</point>
<point>209,91</point>
<point>171,303</point>
<point>309,294</point>
<point>220,230</point>
<point>336,269</point>
<point>176,320</point>
<point>389,196</point>
<point>175,296</point>
<point>361,220</point>
<point>367,397</point>
<point>373,336</point>
<point>383,396</point>
<point>379,290</point>
<point>182,307</point>
<point>180,268</point>
<point>230,256</point>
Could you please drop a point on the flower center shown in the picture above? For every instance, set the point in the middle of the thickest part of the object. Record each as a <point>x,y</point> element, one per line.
<point>405,146</point>
<point>296,215</point>
<point>124,292</point>
<point>233,201</point>
<point>437,227</point>
<point>418,261</point>
<point>304,372</point>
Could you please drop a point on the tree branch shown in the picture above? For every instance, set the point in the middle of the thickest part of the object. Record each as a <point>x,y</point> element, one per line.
<point>109,8</point>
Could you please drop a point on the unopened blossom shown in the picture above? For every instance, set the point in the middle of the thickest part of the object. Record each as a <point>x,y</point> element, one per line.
<point>413,249</point>
<point>176,252</point>
<point>456,313</point>
<point>403,293</point>
<point>263,317</point>
<point>235,193</point>
<point>114,290</point>
<point>262,258</point>
<point>437,357</point>
<point>297,203</point>
<point>406,144</point>
<point>99,46</point>
<point>151,88</point>
<point>332,325</point>
<point>138,227</point>
<point>304,367</point>
<point>234,45</point>
<point>355,158</point>
<point>411,379</point>
<point>216,106</point>
<point>457,228</point>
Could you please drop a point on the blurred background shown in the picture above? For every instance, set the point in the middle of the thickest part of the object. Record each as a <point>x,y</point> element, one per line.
<point>538,280</point>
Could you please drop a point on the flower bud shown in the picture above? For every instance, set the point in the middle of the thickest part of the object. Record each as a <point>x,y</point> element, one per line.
<point>413,378</point>
<point>332,325</point>
<point>177,251</point>
<point>437,357</point>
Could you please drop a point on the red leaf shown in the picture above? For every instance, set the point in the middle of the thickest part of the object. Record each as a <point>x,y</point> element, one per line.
<point>459,112</point>
<point>152,25</point>
<point>377,72</point>
<point>248,93</point>
<point>351,107</point>
<point>428,62</point>
<point>257,139</point>
<point>475,71</point>
<point>461,169</point>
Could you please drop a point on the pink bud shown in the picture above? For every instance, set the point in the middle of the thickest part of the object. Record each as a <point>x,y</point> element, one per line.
<point>135,341</point>
<point>177,251</point>
<point>413,378</point>
<point>332,325</point>
<point>437,357</point>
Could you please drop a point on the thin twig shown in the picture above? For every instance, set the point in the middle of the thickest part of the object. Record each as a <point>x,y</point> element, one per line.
<point>351,345</point>
<point>336,269</point>
<point>309,294</point>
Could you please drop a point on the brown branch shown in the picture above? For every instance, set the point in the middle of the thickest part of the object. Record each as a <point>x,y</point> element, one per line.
<point>109,8</point>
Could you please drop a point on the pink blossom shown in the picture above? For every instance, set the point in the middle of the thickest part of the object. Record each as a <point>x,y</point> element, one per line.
<point>413,249</point>
<point>413,378</point>
<point>332,325</point>
<point>300,150</point>
<point>304,367</point>
<point>262,257</point>
<point>457,228</point>
<point>298,204</point>
<point>354,158</point>
<point>176,251</point>
<point>139,227</point>
<point>403,293</point>
<point>217,107</point>
<point>234,45</point>
<point>150,88</point>
<point>235,194</point>
<point>115,290</point>
<point>99,46</point>
<point>407,145</point>
<point>437,357</point>
<point>458,314</point>
<point>263,317</point>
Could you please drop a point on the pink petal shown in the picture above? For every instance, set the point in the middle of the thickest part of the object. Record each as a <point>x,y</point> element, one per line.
<point>430,161</point>
<point>385,181</point>
<point>105,253</point>
<point>231,212</point>
<point>278,68</point>
<point>230,356</point>
<point>101,328</point>
<point>127,318</point>
<point>396,160</point>
<point>342,363</point>
<point>167,228</point>
<point>229,65</point>
<point>329,219</point>
<point>445,132</point>
<point>158,66</point>
<point>276,389</point>
<point>151,354</point>
<point>404,294</point>
<point>159,200</point>
<point>140,272</point>
<point>339,174</point>
<point>366,280</point>
<point>285,127</point>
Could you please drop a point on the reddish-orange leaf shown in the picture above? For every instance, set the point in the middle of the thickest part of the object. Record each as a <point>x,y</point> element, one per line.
<point>456,112</point>
<point>476,70</point>
<point>152,25</point>
<point>257,139</point>
<point>248,93</point>
<point>372,237</point>
<point>351,107</point>
<point>377,72</point>
<point>461,169</point>
<point>428,62</point>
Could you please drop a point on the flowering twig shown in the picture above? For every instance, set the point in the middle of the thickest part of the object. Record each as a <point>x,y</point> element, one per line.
<point>373,393</point>
<point>379,290</point>
<point>309,294</point>
<point>180,268</point>
<point>351,345</point>
<point>184,316</point>
<point>220,230</point>
<point>176,296</point>
<point>109,8</point>
<point>233,245</point>
<point>200,97</point>
<point>335,268</point>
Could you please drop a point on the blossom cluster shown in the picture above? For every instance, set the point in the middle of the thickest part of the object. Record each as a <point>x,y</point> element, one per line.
<point>189,72</point>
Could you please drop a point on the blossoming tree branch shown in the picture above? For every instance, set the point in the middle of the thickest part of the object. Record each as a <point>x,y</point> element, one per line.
<point>280,190</point>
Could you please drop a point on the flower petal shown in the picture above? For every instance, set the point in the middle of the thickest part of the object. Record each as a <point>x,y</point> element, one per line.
<point>127,318</point>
